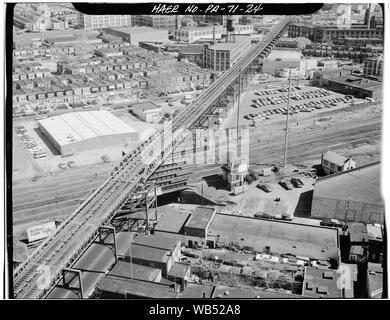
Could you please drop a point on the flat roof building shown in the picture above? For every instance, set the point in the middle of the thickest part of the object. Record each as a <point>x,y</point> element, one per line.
<point>188,223</point>
<point>321,283</point>
<point>374,281</point>
<point>147,111</point>
<point>353,195</point>
<point>80,131</point>
<point>226,53</point>
<point>199,222</point>
<point>169,22</point>
<point>154,251</point>
<point>192,34</point>
<point>275,236</point>
<point>94,22</point>
<point>117,288</point>
<point>329,34</point>
<point>373,67</point>
<point>357,86</point>
<point>134,35</point>
<point>171,220</point>
<point>134,271</point>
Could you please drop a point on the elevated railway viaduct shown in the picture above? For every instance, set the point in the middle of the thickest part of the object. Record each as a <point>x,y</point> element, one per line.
<point>129,180</point>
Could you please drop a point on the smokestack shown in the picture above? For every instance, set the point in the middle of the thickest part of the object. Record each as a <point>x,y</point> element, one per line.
<point>214,34</point>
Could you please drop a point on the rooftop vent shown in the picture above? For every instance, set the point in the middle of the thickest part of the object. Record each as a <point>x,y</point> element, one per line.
<point>309,286</point>
<point>328,275</point>
<point>322,290</point>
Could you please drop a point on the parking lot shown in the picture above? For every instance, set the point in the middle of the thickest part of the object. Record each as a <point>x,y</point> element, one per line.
<point>273,102</point>
<point>270,104</point>
<point>30,142</point>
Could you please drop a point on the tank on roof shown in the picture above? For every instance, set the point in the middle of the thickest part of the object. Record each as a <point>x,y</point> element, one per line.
<point>230,24</point>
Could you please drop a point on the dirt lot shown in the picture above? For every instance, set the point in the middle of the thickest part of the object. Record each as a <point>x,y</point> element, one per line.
<point>255,200</point>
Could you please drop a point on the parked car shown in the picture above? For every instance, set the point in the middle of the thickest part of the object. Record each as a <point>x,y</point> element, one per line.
<point>286,217</point>
<point>263,216</point>
<point>297,183</point>
<point>334,223</point>
<point>285,184</point>
<point>264,187</point>
<point>283,216</point>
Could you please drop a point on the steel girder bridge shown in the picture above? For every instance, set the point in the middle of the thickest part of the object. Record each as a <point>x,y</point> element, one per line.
<point>43,269</point>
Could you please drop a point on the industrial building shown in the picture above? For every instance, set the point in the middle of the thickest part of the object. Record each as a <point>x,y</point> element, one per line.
<point>155,252</point>
<point>94,22</point>
<point>328,34</point>
<point>193,34</point>
<point>354,195</point>
<point>345,82</point>
<point>81,131</point>
<point>134,35</point>
<point>134,271</point>
<point>190,225</point>
<point>247,233</point>
<point>226,53</point>
<point>121,288</point>
<point>193,53</point>
<point>273,236</point>
<point>169,22</point>
<point>357,86</point>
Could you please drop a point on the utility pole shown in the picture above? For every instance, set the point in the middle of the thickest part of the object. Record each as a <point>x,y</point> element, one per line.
<point>202,192</point>
<point>238,102</point>
<point>215,56</point>
<point>288,111</point>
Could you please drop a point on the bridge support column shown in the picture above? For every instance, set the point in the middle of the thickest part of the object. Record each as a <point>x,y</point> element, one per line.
<point>65,271</point>
<point>108,230</point>
<point>144,197</point>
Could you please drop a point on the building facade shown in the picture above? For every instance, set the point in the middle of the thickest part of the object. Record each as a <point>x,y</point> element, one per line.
<point>327,34</point>
<point>353,195</point>
<point>222,55</point>
<point>332,162</point>
<point>147,111</point>
<point>192,34</point>
<point>373,67</point>
<point>134,35</point>
<point>169,22</point>
<point>94,22</point>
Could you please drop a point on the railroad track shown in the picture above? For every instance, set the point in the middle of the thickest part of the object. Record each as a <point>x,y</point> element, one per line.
<point>35,215</point>
<point>78,231</point>
<point>310,145</point>
<point>47,189</point>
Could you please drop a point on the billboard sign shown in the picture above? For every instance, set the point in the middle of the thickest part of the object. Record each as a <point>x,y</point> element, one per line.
<point>41,231</point>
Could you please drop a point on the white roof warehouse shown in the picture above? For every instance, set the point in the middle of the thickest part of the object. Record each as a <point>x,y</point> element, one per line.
<point>80,131</point>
